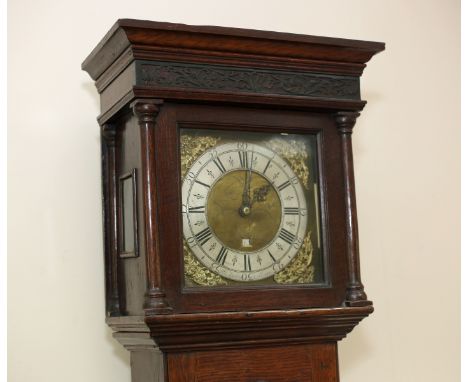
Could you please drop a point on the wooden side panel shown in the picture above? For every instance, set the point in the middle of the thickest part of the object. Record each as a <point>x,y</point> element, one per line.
<point>306,363</point>
<point>147,366</point>
<point>132,270</point>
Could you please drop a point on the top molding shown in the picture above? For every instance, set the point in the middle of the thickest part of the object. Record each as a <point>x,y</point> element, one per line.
<point>209,44</point>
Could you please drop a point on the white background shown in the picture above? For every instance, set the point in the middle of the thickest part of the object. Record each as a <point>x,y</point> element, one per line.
<point>406,147</point>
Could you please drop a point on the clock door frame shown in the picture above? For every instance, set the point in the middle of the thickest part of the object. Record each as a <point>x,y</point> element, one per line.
<point>171,118</point>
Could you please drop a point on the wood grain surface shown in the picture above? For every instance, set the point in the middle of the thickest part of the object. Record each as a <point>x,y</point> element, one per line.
<point>308,363</point>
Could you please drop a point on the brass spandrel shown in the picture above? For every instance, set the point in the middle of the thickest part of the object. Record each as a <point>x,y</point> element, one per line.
<point>300,270</point>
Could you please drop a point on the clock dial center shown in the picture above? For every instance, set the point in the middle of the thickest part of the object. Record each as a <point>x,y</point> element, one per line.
<point>251,226</point>
<point>244,211</point>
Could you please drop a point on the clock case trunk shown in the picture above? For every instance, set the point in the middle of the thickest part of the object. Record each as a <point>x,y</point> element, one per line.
<point>156,78</point>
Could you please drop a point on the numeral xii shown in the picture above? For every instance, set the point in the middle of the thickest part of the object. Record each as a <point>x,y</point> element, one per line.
<point>243,159</point>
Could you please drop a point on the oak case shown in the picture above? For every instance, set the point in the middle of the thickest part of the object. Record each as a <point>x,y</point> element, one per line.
<point>155,79</point>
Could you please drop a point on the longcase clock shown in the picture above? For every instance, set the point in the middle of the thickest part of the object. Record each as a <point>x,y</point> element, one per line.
<point>231,245</point>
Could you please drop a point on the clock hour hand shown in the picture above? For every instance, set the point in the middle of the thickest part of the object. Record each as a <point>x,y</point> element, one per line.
<point>244,209</point>
<point>246,192</point>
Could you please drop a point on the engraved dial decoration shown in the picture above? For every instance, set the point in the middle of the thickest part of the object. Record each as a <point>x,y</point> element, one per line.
<point>244,211</point>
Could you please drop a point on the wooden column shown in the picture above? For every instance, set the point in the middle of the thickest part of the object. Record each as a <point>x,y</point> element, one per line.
<point>147,111</point>
<point>109,188</point>
<point>355,295</point>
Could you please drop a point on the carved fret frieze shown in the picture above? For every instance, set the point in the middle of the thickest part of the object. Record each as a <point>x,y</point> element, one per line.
<point>256,81</point>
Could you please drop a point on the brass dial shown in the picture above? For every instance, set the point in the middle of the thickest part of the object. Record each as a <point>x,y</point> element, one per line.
<point>244,211</point>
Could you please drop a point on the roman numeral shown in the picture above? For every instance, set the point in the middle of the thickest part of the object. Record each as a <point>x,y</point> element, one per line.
<point>244,162</point>
<point>266,167</point>
<point>287,236</point>
<point>247,265</point>
<point>203,236</point>
<point>220,165</point>
<point>272,257</point>
<point>281,187</point>
<point>203,184</point>
<point>291,211</point>
<point>196,210</point>
<point>221,258</point>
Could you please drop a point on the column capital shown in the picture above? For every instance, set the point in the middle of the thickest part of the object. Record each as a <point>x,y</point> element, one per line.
<point>346,120</point>
<point>146,109</point>
<point>109,132</point>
